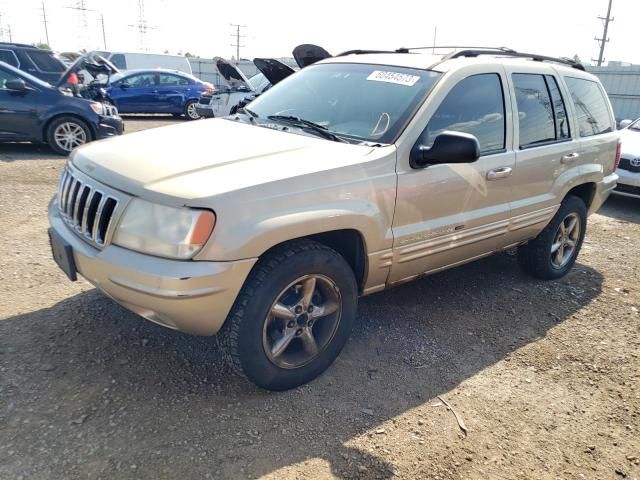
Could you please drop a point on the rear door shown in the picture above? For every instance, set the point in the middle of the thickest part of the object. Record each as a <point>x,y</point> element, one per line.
<point>547,149</point>
<point>171,93</point>
<point>447,214</point>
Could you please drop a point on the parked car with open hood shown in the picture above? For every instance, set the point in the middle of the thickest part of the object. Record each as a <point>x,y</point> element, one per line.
<point>356,174</point>
<point>225,99</point>
<point>32,110</point>
<point>157,91</point>
<point>629,168</point>
<point>40,63</point>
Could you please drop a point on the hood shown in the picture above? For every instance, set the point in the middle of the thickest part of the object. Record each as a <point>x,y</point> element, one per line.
<point>630,140</point>
<point>92,63</point>
<point>308,54</point>
<point>232,74</point>
<point>274,70</point>
<point>170,165</point>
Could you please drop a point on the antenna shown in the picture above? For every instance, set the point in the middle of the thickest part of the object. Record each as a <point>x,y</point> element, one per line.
<point>604,40</point>
<point>46,27</point>
<point>238,37</point>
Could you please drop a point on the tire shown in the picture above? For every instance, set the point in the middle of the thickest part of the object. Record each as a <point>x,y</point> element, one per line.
<point>64,134</point>
<point>536,257</point>
<point>251,333</point>
<point>190,110</point>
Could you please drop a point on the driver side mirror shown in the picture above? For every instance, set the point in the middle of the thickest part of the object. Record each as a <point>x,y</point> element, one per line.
<point>18,85</point>
<point>625,123</point>
<point>448,147</point>
<point>124,86</point>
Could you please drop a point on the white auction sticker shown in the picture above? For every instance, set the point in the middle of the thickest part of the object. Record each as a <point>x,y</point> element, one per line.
<point>393,77</point>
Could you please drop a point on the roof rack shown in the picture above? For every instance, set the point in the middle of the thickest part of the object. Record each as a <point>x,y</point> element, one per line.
<point>505,52</point>
<point>475,52</point>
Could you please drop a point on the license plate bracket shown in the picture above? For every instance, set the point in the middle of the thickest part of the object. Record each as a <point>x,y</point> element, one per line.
<point>63,254</point>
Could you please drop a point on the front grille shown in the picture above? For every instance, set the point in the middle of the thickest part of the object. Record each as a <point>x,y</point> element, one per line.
<point>628,189</point>
<point>85,209</point>
<point>110,110</point>
<point>625,164</point>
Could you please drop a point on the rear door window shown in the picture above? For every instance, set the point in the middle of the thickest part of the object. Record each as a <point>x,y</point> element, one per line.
<point>475,106</point>
<point>591,106</point>
<point>45,61</point>
<point>7,56</point>
<point>168,80</point>
<point>559,108</point>
<point>535,111</point>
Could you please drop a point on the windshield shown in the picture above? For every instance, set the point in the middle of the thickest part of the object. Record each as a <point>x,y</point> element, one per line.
<point>364,102</point>
<point>257,81</point>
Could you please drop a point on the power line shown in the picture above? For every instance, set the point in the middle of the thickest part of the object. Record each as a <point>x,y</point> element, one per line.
<point>604,40</point>
<point>238,37</point>
<point>142,26</point>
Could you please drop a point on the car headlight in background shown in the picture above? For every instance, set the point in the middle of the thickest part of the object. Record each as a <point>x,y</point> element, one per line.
<point>164,231</point>
<point>98,107</point>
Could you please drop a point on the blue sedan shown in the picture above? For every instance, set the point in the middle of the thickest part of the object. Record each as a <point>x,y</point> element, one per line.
<point>157,91</point>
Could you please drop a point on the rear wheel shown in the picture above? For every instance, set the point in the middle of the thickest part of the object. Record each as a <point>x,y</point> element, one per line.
<point>292,317</point>
<point>190,111</point>
<point>66,133</point>
<point>552,253</point>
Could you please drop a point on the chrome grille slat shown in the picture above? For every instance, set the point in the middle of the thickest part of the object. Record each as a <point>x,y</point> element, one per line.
<point>82,207</point>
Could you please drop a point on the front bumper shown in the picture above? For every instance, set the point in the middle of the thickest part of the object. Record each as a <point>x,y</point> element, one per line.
<point>193,297</point>
<point>204,110</point>
<point>109,127</point>
<point>628,183</point>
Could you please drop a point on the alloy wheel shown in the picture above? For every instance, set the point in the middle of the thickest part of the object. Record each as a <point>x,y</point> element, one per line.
<point>302,321</point>
<point>565,241</point>
<point>69,135</point>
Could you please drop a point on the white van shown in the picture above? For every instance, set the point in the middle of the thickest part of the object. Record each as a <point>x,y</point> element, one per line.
<point>137,61</point>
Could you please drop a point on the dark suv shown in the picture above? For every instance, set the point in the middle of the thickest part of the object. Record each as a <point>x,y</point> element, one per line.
<point>36,61</point>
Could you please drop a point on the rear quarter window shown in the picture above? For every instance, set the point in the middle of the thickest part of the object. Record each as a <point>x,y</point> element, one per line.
<point>591,105</point>
<point>45,61</point>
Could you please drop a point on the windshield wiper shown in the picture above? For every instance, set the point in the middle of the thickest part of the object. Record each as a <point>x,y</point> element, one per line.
<point>301,122</point>
<point>250,112</point>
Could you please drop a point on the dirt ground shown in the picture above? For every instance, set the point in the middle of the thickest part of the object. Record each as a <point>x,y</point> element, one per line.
<point>545,376</point>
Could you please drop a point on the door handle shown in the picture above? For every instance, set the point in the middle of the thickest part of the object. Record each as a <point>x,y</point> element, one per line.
<point>569,158</point>
<point>498,173</point>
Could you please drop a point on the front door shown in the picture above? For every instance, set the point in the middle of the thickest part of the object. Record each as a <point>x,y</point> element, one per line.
<point>135,94</point>
<point>450,213</point>
<point>18,111</point>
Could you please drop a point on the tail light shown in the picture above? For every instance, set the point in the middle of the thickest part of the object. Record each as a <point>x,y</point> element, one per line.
<point>617,161</point>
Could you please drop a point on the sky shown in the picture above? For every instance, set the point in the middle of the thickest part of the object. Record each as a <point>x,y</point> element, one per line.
<point>273,28</point>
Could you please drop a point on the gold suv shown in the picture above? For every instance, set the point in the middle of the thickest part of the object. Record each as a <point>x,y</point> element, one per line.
<point>355,174</point>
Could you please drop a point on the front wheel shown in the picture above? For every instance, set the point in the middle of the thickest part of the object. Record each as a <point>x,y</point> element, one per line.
<point>292,317</point>
<point>552,253</point>
<point>66,133</point>
<point>190,111</point>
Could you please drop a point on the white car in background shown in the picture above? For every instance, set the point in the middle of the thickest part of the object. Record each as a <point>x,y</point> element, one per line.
<point>629,168</point>
<point>240,89</point>
<point>142,61</point>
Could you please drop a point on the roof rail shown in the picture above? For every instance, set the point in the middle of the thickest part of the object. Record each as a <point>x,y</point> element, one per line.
<point>474,52</point>
<point>14,44</point>
<point>451,47</point>
<point>364,52</point>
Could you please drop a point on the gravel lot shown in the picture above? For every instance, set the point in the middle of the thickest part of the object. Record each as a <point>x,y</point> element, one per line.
<point>544,375</point>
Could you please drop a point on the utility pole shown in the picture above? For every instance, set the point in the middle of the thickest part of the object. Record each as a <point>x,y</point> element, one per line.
<point>46,27</point>
<point>104,35</point>
<point>10,34</point>
<point>435,34</point>
<point>238,37</point>
<point>604,40</point>
<point>142,26</point>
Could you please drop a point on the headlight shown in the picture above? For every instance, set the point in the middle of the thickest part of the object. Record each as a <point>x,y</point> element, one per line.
<point>98,107</point>
<point>164,231</point>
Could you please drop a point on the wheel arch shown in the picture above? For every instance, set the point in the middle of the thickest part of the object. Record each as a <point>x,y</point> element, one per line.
<point>348,243</point>
<point>585,191</point>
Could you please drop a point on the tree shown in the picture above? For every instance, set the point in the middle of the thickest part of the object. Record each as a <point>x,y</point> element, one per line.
<point>43,46</point>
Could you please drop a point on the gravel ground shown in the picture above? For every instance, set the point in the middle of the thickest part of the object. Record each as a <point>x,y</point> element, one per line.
<point>544,375</point>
